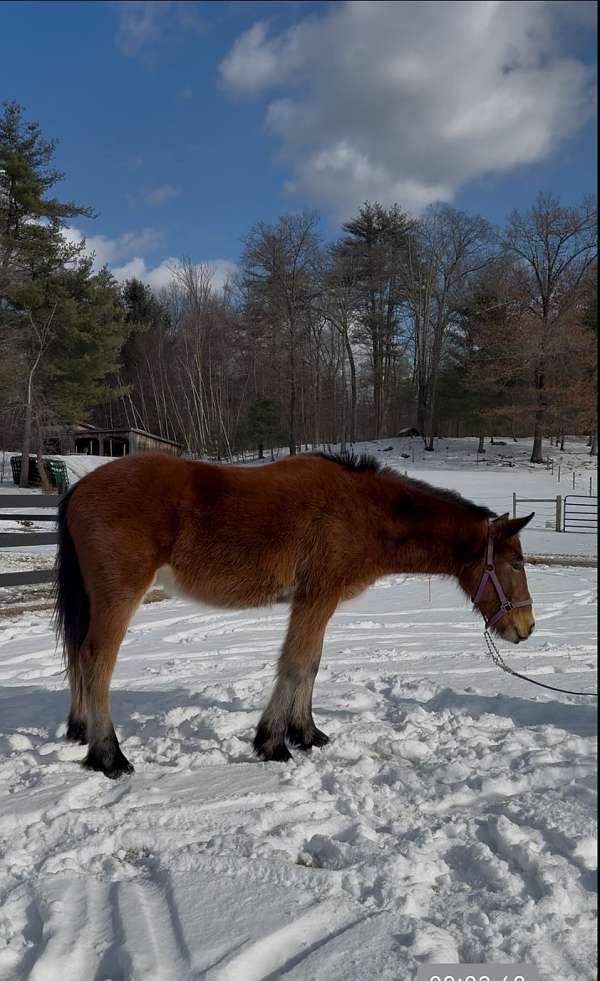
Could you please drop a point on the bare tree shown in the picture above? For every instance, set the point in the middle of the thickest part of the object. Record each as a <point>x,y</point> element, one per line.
<point>39,339</point>
<point>376,240</point>
<point>554,247</point>
<point>446,250</point>
<point>279,269</point>
<point>339,307</point>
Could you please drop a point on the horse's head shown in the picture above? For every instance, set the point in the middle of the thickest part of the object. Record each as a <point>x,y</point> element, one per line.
<point>497,583</point>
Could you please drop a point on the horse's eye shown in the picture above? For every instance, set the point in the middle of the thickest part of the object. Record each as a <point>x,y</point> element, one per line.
<point>518,566</point>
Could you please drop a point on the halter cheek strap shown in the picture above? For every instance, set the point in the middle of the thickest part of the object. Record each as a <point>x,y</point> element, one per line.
<point>489,573</point>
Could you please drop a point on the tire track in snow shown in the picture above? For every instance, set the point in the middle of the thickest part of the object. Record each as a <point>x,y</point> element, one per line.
<point>78,927</point>
<point>273,955</point>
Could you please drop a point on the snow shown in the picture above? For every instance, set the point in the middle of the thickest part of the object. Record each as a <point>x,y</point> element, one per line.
<point>451,817</point>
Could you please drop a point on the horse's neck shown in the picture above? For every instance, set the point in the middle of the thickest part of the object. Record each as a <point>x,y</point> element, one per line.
<point>450,533</point>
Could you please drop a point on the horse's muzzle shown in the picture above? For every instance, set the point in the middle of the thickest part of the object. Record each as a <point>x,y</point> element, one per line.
<point>520,626</point>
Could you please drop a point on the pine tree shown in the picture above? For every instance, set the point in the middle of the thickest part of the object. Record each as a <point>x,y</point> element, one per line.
<point>62,324</point>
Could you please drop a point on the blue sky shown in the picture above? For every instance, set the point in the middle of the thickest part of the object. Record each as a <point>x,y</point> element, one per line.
<point>184,124</point>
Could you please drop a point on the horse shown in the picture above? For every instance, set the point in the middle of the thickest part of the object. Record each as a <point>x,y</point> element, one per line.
<point>310,530</point>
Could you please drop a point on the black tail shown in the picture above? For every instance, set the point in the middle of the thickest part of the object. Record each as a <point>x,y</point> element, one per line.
<point>71,602</point>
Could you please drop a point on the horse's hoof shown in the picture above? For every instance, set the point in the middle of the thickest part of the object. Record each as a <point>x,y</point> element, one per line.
<point>277,754</point>
<point>267,749</point>
<point>76,732</point>
<point>319,738</point>
<point>114,768</point>
<point>306,739</point>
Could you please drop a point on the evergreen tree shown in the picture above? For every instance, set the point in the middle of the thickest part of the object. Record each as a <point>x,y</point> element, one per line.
<point>62,323</point>
<point>30,219</point>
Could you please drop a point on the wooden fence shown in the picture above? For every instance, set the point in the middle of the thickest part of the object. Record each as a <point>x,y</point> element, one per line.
<point>23,504</point>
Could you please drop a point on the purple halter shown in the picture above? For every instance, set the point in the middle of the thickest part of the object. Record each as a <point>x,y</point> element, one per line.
<point>489,572</point>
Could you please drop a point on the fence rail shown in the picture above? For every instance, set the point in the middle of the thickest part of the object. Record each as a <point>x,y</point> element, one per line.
<point>555,510</point>
<point>574,513</point>
<point>23,504</point>
<point>581,514</point>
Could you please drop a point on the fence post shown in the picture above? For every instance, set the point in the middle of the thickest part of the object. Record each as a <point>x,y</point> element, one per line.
<point>573,480</point>
<point>558,512</point>
<point>514,505</point>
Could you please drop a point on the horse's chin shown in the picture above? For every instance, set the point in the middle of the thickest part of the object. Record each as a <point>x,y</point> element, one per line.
<point>512,635</point>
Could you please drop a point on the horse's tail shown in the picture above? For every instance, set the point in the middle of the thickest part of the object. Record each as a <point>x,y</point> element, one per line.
<point>71,602</point>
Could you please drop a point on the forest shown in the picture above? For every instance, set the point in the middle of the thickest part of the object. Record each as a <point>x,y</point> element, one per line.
<point>439,323</point>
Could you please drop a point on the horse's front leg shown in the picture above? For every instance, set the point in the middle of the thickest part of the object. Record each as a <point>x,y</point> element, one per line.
<point>289,712</point>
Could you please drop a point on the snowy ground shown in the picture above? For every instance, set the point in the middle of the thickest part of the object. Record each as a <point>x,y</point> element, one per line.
<point>451,818</point>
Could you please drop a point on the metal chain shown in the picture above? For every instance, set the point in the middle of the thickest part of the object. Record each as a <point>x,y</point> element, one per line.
<point>499,661</point>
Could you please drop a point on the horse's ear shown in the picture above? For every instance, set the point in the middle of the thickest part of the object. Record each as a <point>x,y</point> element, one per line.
<point>505,527</point>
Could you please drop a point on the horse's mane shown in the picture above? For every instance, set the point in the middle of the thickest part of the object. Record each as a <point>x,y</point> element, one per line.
<point>453,497</point>
<point>354,461</point>
<point>362,462</point>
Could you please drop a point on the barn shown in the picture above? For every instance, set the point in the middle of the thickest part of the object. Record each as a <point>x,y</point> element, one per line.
<point>109,442</point>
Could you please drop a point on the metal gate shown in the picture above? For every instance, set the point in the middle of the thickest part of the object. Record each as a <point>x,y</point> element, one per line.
<point>581,514</point>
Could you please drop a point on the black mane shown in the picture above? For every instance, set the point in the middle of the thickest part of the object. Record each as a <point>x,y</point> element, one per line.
<point>361,462</point>
<point>353,461</point>
<point>452,496</point>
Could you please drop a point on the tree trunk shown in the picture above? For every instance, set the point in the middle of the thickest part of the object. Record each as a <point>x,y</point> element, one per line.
<point>26,446</point>
<point>594,447</point>
<point>481,447</point>
<point>292,430</point>
<point>377,396</point>
<point>538,435</point>
<point>352,432</point>
<point>421,410</point>
<point>45,480</point>
<point>540,414</point>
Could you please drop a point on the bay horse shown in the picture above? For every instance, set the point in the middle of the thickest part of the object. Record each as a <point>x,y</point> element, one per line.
<point>311,530</point>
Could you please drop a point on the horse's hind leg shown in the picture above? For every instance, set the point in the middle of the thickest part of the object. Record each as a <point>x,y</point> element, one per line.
<point>76,723</point>
<point>98,655</point>
<point>289,712</point>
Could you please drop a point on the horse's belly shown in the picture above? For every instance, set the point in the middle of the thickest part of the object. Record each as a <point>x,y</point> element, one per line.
<point>232,593</point>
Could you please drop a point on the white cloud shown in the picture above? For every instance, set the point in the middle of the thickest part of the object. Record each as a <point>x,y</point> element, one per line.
<point>162,194</point>
<point>408,101</point>
<point>111,250</point>
<point>161,275</point>
<point>145,24</point>
<point>121,254</point>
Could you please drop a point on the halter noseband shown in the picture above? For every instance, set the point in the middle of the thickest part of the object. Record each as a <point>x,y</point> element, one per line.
<point>489,572</point>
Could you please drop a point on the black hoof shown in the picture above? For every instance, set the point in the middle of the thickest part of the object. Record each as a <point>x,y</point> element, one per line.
<point>319,738</point>
<point>267,747</point>
<point>76,732</point>
<point>107,758</point>
<point>306,738</point>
